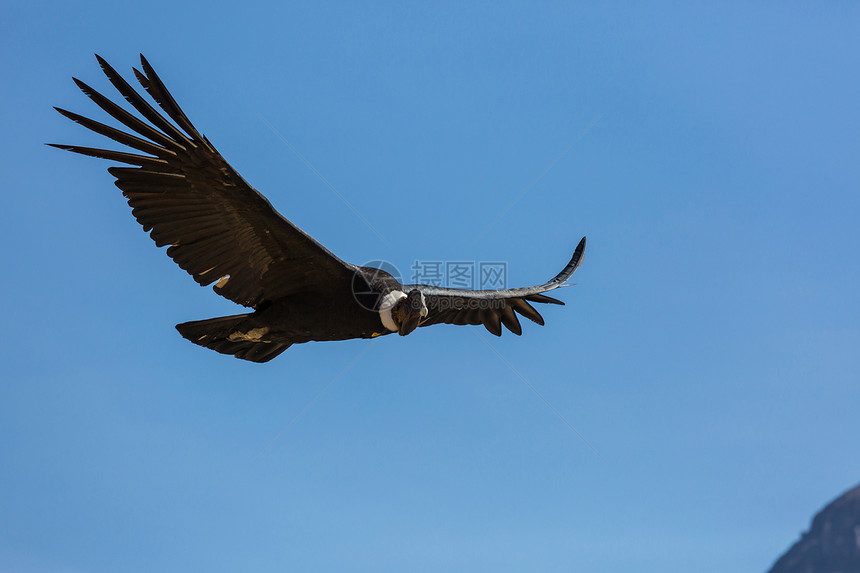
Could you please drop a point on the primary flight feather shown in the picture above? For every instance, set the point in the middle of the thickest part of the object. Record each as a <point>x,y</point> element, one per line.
<point>223,231</point>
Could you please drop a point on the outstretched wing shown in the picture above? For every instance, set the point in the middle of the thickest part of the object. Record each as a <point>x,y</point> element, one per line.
<point>216,226</point>
<point>493,308</point>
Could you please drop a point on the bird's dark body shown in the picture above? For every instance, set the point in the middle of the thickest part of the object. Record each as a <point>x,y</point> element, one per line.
<point>221,230</point>
<point>313,317</point>
<point>320,317</point>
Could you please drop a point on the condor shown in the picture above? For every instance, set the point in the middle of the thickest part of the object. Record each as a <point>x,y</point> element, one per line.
<point>221,230</point>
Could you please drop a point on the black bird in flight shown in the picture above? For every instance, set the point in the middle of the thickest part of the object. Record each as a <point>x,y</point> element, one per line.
<point>220,229</point>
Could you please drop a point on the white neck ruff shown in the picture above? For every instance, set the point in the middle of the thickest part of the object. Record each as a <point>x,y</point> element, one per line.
<point>388,302</point>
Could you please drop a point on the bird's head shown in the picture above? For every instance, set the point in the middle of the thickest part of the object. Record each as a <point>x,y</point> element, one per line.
<point>408,312</point>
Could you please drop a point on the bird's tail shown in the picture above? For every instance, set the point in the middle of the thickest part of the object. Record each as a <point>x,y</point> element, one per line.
<point>227,336</point>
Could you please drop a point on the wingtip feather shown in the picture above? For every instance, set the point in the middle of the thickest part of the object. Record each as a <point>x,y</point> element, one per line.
<point>103,64</point>
<point>84,87</point>
<point>66,113</point>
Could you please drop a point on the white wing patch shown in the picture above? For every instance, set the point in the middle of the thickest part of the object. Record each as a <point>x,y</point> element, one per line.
<point>253,335</point>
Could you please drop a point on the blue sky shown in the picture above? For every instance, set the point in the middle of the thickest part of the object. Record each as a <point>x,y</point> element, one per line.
<point>710,352</point>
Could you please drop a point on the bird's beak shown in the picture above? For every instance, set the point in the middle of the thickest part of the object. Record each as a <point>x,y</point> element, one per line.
<point>423,315</point>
